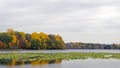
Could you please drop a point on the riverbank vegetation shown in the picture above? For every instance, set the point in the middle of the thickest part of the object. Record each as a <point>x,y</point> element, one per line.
<point>28,57</point>
<point>20,40</point>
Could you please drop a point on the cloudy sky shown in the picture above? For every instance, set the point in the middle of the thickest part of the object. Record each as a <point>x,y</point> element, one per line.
<point>96,21</point>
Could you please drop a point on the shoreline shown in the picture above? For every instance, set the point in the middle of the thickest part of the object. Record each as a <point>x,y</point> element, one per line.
<point>53,49</point>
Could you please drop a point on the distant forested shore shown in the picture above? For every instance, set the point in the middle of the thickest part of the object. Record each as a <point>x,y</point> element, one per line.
<point>81,45</point>
<point>20,40</point>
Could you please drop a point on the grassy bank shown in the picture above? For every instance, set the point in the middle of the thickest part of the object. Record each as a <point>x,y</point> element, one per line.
<point>28,57</point>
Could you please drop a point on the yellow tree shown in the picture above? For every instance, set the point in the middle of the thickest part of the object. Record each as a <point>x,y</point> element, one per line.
<point>22,35</point>
<point>13,42</point>
<point>35,36</point>
<point>44,38</point>
<point>27,44</point>
<point>35,40</point>
<point>11,31</point>
<point>59,42</point>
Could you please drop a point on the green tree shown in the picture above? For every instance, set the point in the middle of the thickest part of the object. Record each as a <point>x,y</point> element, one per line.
<point>6,39</point>
<point>35,44</point>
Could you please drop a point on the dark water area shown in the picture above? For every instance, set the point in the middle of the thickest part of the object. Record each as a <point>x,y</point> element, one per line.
<point>87,63</point>
<point>57,51</point>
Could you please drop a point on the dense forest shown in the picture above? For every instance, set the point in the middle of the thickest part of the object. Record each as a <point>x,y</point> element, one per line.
<point>80,45</point>
<point>20,40</point>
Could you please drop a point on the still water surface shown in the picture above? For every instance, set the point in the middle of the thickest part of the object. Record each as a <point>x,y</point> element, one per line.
<point>57,51</point>
<point>87,63</point>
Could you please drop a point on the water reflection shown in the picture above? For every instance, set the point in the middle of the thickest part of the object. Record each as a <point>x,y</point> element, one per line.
<point>33,62</point>
<point>80,63</point>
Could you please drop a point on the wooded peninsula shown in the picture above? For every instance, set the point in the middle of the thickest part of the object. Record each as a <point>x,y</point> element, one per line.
<point>20,40</point>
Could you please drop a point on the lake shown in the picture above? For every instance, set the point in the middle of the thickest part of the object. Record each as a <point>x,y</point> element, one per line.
<point>57,51</point>
<point>79,63</point>
<point>87,63</point>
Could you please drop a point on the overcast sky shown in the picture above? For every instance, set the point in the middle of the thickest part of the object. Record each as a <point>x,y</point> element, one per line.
<point>96,21</point>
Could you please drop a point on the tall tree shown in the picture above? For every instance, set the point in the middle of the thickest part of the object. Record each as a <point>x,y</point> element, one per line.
<point>6,39</point>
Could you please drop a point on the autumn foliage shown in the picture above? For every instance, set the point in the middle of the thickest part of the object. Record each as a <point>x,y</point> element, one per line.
<point>20,40</point>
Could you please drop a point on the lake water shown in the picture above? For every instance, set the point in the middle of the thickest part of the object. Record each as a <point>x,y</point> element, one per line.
<point>57,51</point>
<point>87,63</point>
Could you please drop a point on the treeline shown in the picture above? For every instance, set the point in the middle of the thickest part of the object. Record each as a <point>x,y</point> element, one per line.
<point>19,40</point>
<point>80,45</point>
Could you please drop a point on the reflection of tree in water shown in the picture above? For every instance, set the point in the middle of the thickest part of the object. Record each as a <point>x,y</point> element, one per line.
<point>33,63</point>
<point>37,62</point>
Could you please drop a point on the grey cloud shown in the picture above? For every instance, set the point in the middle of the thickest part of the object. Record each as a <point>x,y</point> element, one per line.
<point>89,17</point>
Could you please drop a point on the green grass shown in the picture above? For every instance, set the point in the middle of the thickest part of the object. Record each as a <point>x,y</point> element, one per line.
<point>28,57</point>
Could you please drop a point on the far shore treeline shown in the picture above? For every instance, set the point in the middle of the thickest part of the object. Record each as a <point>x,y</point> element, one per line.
<point>81,45</point>
<point>20,40</point>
